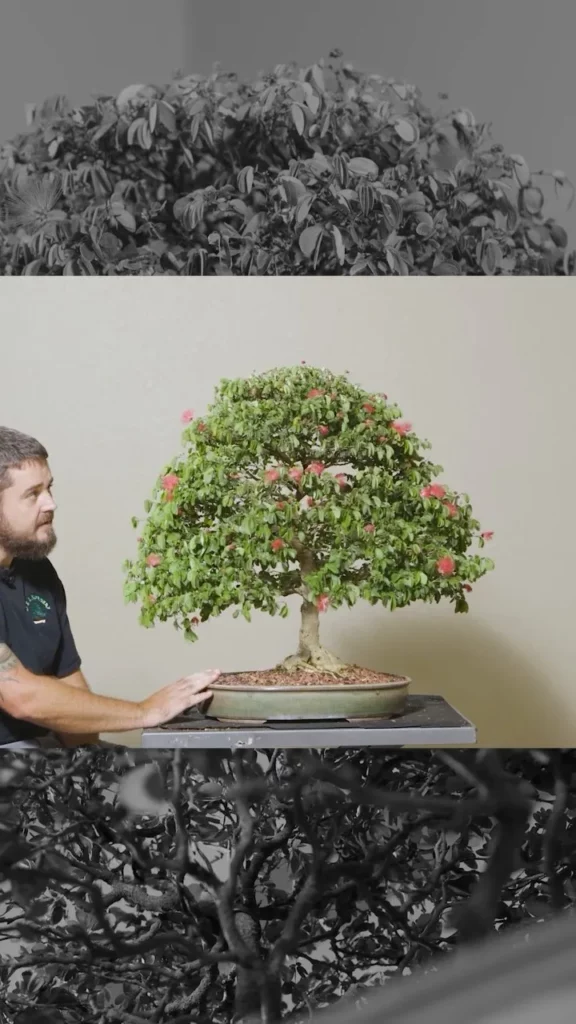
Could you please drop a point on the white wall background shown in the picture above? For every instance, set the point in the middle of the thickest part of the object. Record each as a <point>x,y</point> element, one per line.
<point>100,371</point>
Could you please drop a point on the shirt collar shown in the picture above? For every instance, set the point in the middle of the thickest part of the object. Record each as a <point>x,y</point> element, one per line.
<point>7,575</point>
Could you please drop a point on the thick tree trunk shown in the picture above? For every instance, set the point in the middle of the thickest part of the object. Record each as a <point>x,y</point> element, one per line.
<point>258,997</point>
<point>311,655</point>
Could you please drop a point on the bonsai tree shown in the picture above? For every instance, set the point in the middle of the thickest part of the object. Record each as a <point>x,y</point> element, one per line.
<point>307,170</point>
<point>334,873</point>
<point>299,482</point>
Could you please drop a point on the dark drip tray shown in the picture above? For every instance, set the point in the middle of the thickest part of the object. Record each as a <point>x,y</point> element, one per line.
<point>421,711</point>
<point>305,723</point>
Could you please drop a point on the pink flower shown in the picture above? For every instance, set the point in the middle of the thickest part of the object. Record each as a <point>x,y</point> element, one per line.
<point>437,490</point>
<point>277,544</point>
<point>446,565</point>
<point>487,534</point>
<point>314,393</point>
<point>466,586</point>
<point>194,621</point>
<point>368,407</point>
<point>324,431</point>
<point>271,475</point>
<point>401,426</point>
<point>187,416</point>
<point>316,468</point>
<point>341,479</point>
<point>369,528</point>
<point>451,508</point>
<point>200,427</point>
<point>322,602</point>
<point>170,481</point>
<point>308,501</point>
<point>295,474</point>
<point>280,504</point>
<point>153,560</point>
<point>425,492</point>
<point>382,438</point>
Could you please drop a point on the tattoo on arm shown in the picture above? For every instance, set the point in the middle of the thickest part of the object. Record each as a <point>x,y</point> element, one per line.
<point>8,664</point>
<point>8,661</point>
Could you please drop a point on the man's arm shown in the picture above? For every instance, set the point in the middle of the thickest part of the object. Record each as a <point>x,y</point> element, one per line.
<point>46,701</point>
<point>77,679</point>
<point>55,705</point>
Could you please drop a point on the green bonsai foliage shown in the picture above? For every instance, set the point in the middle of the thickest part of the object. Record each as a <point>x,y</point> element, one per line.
<point>298,482</point>
<point>316,170</point>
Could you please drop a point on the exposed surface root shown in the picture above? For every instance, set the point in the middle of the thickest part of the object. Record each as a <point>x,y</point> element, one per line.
<point>314,662</point>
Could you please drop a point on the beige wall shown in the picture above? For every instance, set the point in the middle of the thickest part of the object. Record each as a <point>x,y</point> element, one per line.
<point>100,371</point>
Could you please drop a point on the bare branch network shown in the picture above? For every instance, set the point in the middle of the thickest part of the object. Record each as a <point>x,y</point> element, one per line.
<point>183,888</point>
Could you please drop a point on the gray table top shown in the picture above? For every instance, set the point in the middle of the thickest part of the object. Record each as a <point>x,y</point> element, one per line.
<point>428,720</point>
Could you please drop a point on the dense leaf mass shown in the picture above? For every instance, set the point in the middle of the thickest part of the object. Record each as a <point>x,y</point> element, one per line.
<point>307,170</point>
<point>298,481</point>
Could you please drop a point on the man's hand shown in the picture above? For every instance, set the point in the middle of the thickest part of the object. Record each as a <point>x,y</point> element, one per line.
<point>172,700</point>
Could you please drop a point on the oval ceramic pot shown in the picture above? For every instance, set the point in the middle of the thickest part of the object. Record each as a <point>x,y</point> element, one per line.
<point>348,701</point>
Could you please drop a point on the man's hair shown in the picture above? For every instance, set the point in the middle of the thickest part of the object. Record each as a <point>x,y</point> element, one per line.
<point>16,450</point>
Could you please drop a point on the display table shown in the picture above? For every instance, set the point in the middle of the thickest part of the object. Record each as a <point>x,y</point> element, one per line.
<point>429,720</point>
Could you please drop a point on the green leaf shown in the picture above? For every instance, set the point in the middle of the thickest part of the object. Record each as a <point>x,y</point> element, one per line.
<point>491,256</point>
<point>339,244</point>
<point>532,200</point>
<point>309,239</point>
<point>303,207</point>
<point>294,189</point>
<point>298,118</point>
<point>521,170</point>
<point>246,180</point>
<point>127,220</point>
<point>406,130</point>
<point>318,77</point>
<point>166,115</point>
<point>363,167</point>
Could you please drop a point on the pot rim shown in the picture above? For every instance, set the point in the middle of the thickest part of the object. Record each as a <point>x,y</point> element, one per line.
<point>400,682</point>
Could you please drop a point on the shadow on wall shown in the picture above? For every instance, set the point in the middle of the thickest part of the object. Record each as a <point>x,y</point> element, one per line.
<point>485,678</point>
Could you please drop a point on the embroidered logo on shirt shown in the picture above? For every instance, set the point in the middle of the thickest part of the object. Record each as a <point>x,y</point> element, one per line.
<point>37,606</point>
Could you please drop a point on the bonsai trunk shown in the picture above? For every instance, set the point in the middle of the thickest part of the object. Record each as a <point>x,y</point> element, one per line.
<point>311,656</point>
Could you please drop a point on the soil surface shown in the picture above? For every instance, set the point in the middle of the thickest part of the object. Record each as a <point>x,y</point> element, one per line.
<point>277,677</point>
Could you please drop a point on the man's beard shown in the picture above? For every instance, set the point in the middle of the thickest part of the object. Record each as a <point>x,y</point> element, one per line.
<point>30,548</point>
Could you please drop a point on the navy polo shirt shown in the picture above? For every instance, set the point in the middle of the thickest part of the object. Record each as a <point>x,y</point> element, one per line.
<point>34,624</point>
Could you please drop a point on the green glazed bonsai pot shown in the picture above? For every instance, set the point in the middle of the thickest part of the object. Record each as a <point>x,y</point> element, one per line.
<point>344,701</point>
